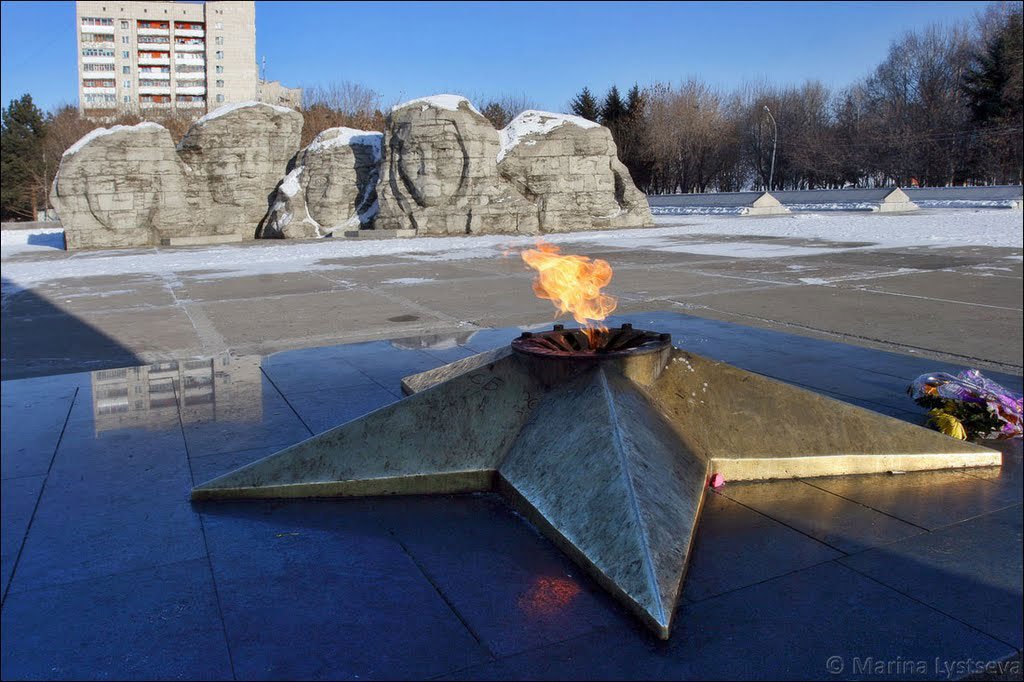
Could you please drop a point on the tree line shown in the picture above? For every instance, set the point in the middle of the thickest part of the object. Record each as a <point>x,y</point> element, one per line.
<point>943,108</point>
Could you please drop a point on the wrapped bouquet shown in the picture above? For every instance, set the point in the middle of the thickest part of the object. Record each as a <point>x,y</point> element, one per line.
<point>968,405</point>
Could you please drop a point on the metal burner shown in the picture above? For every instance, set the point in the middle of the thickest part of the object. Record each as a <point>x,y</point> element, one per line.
<point>574,343</point>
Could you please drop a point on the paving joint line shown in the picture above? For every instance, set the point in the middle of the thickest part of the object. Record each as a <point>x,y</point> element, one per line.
<point>206,542</point>
<point>442,595</point>
<point>932,607</point>
<point>39,498</point>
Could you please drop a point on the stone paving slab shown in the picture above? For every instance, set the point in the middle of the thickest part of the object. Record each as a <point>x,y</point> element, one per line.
<point>969,571</point>
<point>132,318</point>
<point>784,575</point>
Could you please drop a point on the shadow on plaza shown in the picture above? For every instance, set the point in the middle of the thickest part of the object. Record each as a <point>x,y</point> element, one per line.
<point>40,339</point>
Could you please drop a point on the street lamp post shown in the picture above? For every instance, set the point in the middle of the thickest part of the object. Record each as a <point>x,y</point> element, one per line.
<point>775,142</point>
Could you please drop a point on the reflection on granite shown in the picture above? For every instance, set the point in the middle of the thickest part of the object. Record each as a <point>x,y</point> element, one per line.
<point>147,396</point>
<point>433,341</point>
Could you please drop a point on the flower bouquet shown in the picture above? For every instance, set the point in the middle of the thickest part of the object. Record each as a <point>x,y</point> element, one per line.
<point>968,405</point>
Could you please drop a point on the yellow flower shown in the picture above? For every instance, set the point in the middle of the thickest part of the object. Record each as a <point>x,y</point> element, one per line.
<point>948,424</point>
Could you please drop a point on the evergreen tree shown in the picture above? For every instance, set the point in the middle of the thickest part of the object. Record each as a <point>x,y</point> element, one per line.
<point>994,85</point>
<point>585,106</point>
<point>496,114</point>
<point>614,108</point>
<point>631,138</point>
<point>635,102</point>
<point>21,158</point>
<point>993,82</point>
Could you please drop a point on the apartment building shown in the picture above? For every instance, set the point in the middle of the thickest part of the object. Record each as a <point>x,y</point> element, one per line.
<point>151,57</point>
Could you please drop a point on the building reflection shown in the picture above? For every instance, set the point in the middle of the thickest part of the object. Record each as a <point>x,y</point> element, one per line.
<point>225,387</point>
<point>433,341</point>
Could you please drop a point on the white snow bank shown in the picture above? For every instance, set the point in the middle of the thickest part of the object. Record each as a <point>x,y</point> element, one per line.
<point>953,227</point>
<point>534,122</point>
<point>337,137</point>
<point>13,242</point>
<point>700,234</point>
<point>101,132</point>
<point>449,102</point>
<point>290,185</point>
<point>228,108</point>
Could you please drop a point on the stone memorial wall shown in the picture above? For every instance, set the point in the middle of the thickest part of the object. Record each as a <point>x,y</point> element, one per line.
<point>439,168</point>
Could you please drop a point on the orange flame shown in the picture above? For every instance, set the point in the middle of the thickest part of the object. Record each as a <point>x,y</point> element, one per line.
<point>573,284</point>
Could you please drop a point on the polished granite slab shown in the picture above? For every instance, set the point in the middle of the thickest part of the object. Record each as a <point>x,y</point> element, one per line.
<point>110,572</point>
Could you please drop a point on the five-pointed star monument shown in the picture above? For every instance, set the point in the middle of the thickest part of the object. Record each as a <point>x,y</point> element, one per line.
<point>608,454</point>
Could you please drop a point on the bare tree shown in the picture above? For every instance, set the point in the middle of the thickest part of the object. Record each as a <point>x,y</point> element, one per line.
<point>340,104</point>
<point>502,109</point>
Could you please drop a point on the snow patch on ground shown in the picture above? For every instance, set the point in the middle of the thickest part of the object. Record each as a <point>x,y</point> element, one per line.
<point>101,132</point>
<point>449,102</point>
<point>820,233</point>
<point>409,280</point>
<point>228,108</point>
<point>26,241</point>
<point>534,122</point>
<point>996,228</point>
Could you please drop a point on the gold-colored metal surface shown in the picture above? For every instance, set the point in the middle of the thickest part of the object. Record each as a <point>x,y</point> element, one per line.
<point>609,459</point>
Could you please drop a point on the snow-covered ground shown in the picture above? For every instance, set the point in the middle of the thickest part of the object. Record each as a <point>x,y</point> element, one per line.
<point>835,206</point>
<point>806,234</point>
<point>13,242</point>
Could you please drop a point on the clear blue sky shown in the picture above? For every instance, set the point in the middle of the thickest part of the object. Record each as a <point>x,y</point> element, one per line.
<point>547,51</point>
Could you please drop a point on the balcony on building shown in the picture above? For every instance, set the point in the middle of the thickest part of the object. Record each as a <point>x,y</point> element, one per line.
<point>189,57</point>
<point>155,89</point>
<point>190,90</point>
<point>98,90</point>
<point>97,37</point>
<point>155,75</point>
<point>189,45</point>
<point>161,41</point>
<point>98,59</point>
<point>155,101</point>
<point>152,28</point>
<point>191,29</point>
<point>154,58</point>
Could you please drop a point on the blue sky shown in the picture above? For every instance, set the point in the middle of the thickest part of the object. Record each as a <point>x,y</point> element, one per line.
<point>547,51</point>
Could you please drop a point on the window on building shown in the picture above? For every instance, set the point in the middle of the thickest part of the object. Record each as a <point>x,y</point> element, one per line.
<point>126,69</point>
<point>220,84</point>
<point>127,85</point>
<point>219,54</point>
<point>220,69</point>
<point>126,39</point>
<point>127,99</point>
<point>219,26</point>
<point>124,24</point>
<point>220,98</point>
<point>126,54</point>
<point>219,40</point>
<point>97,21</point>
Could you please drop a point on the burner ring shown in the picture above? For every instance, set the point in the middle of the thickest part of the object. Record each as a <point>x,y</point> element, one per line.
<point>573,343</point>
